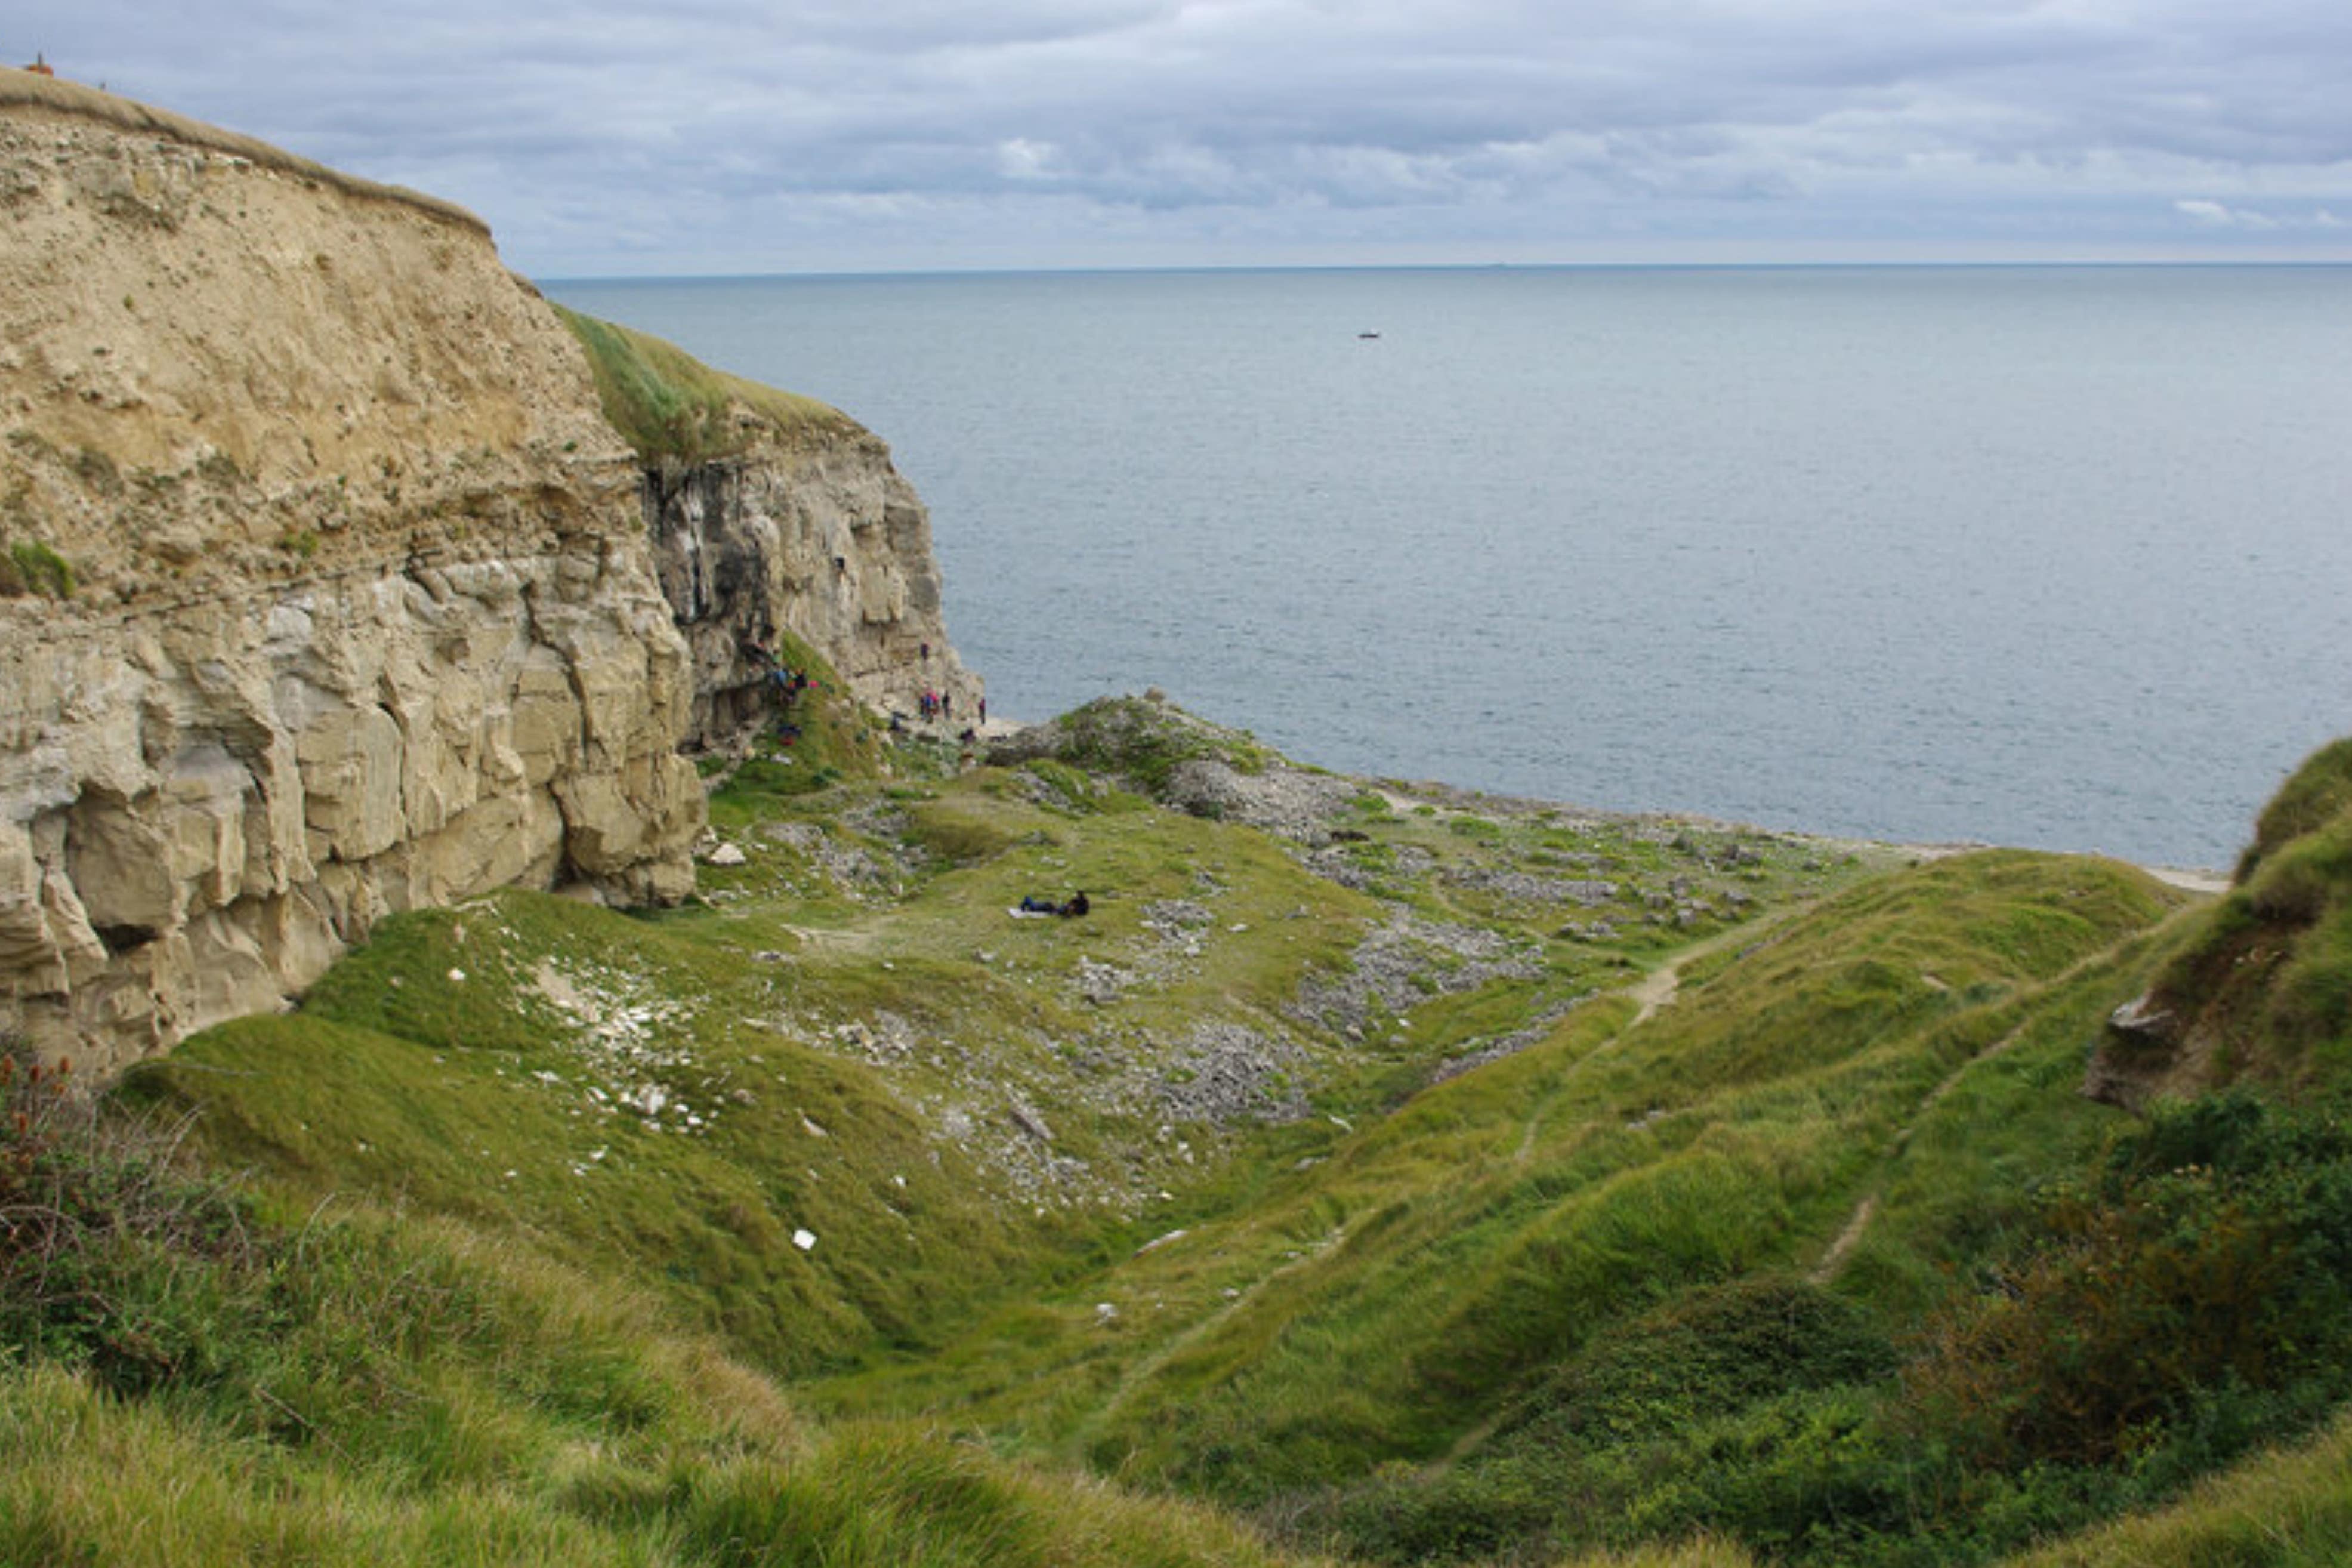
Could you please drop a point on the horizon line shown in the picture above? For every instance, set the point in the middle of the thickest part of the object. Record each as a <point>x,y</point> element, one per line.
<point>2080,264</point>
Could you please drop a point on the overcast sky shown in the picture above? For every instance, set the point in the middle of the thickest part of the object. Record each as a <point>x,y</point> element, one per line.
<point>754,136</point>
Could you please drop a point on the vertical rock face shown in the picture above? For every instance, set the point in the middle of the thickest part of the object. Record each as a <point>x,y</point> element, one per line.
<point>364,616</point>
<point>815,535</point>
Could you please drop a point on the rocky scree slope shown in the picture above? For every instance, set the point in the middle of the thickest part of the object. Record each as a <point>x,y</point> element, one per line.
<point>329,592</point>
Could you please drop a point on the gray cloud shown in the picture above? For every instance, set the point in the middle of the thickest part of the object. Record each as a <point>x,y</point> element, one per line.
<point>834,133</point>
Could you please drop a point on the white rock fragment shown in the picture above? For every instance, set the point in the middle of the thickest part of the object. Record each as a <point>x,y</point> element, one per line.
<point>1105,1313</point>
<point>728,855</point>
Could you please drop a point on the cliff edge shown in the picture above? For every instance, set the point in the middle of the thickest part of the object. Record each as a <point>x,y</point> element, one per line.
<point>326,585</point>
<point>2260,989</point>
<point>773,513</point>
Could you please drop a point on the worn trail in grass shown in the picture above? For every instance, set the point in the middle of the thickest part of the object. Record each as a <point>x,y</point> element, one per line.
<point>1332,1144</point>
<point>1386,1301</point>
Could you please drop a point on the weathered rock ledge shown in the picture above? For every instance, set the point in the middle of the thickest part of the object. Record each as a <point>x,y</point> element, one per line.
<point>201,806</point>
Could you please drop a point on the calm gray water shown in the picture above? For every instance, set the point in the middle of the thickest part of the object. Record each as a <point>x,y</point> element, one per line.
<point>2046,556</point>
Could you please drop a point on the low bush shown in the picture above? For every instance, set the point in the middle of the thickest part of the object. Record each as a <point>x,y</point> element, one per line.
<point>109,1260</point>
<point>2212,1252</point>
<point>31,567</point>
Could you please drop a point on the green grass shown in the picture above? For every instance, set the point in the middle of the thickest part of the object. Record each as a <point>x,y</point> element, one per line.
<point>334,1384</point>
<point>28,566</point>
<point>2262,990</point>
<point>499,1099</point>
<point>2318,793</point>
<point>2286,1508</point>
<point>671,406</point>
<point>1145,741</point>
<point>1659,1283</point>
<point>476,1467</point>
<point>1440,1263</point>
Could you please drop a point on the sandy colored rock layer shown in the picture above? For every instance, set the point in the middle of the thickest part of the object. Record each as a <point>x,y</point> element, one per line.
<point>365,615</point>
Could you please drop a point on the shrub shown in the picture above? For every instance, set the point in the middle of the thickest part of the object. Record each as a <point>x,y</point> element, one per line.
<point>94,1228</point>
<point>34,568</point>
<point>2212,1251</point>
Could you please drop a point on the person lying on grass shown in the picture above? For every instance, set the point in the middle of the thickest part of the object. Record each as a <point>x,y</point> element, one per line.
<point>1030,904</point>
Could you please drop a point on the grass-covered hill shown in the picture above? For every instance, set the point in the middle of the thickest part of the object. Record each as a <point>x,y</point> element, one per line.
<point>672,407</point>
<point>1375,1173</point>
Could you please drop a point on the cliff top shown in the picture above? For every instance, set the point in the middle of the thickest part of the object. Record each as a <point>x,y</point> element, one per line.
<point>227,364</point>
<point>21,89</point>
<point>673,407</point>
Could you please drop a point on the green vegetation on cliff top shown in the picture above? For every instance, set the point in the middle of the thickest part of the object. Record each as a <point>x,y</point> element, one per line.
<point>1464,1180</point>
<point>673,407</point>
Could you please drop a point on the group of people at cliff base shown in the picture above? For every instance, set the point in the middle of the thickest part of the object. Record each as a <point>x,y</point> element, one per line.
<point>938,707</point>
<point>1030,904</point>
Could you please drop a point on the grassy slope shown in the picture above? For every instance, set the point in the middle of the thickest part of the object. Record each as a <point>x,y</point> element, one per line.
<point>2263,993</point>
<point>1381,1304</point>
<point>1437,1275</point>
<point>670,405</point>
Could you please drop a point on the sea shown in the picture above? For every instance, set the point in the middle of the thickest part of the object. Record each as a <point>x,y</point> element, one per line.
<point>2051,556</point>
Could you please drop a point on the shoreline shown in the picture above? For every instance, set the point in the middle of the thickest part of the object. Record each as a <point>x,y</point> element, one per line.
<point>1404,793</point>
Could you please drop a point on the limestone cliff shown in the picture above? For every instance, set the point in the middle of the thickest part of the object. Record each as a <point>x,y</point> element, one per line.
<point>824,541</point>
<point>774,513</point>
<point>362,614</point>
